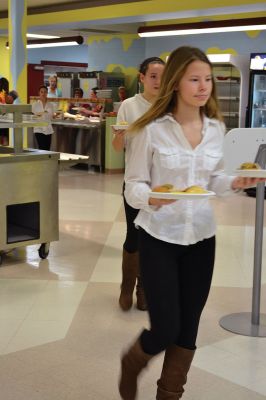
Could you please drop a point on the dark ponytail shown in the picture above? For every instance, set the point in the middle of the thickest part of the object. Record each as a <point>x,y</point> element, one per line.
<point>151,60</point>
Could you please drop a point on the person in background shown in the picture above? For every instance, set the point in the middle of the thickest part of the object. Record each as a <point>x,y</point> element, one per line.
<point>53,90</point>
<point>4,88</point>
<point>73,108</point>
<point>67,138</point>
<point>43,109</point>
<point>179,140</point>
<point>11,97</point>
<point>93,93</point>
<point>93,109</point>
<point>150,72</point>
<point>122,93</point>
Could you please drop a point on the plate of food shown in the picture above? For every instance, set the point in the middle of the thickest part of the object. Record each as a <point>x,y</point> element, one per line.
<point>250,170</point>
<point>169,192</point>
<point>121,126</point>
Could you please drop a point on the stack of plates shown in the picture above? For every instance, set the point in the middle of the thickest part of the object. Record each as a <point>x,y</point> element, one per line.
<point>104,93</point>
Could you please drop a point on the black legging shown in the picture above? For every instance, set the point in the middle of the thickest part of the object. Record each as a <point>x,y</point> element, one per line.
<point>131,241</point>
<point>44,141</point>
<point>176,282</point>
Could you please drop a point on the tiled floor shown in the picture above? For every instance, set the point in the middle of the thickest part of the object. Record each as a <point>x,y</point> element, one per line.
<point>62,332</point>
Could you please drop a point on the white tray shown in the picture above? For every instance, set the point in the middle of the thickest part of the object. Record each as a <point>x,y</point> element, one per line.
<point>251,173</point>
<point>181,196</point>
<point>119,127</point>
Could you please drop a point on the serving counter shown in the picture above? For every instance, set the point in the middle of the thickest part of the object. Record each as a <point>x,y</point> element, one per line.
<point>86,137</point>
<point>29,189</point>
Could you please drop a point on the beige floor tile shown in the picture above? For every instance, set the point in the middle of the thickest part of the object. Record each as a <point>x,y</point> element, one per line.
<point>108,267</point>
<point>88,205</point>
<point>35,333</point>
<point>62,331</point>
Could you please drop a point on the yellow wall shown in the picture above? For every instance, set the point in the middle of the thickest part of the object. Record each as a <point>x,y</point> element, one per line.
<point>132,9</point>
<point>4,57</point>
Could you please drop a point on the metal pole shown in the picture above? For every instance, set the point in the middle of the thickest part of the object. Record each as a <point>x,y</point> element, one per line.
<point>246,323</point>
<point>18,133</point>
<point>255,317</point>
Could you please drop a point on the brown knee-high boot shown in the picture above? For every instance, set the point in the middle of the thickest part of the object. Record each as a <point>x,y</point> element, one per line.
<point>130,267</point>
<point>177,361</point>
<point>141,301</point>
<point>132,364</point>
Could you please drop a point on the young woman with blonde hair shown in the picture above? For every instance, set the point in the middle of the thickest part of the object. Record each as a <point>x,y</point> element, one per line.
<point>179,140</point>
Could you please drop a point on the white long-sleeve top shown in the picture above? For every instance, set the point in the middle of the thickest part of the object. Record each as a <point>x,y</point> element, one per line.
<point>130,110</point>
<point>47,112</point>
<point>162,154</point>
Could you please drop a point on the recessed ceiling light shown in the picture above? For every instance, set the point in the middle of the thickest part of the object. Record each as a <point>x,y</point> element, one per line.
<point>33,35</point>
<point>193,28</point>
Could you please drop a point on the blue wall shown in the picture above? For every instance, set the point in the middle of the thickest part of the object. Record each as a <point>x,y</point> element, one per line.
<point>239,41</point>
<point>100,54</point>
<point>69,54</point>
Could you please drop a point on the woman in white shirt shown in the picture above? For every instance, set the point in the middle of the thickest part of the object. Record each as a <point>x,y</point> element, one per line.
<point>150,73</point>
<point>179,141</point>
<point>43,109</point>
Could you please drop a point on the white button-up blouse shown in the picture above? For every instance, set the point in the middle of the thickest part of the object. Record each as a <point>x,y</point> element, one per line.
<point>162,154</point>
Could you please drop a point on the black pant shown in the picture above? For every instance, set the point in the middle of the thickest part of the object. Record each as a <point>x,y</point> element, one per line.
<point>131,241</point>
<point>4,136</point>
<point>176,281</point>
<point>44,141</point>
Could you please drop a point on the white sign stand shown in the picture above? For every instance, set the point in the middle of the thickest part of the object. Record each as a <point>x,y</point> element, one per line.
<point>243,145</point>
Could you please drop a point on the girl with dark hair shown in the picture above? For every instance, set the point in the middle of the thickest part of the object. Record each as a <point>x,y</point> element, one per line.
<point>4,88</point>
<point>179,140</point>
<point>43,109</point>
<point>150,73</point>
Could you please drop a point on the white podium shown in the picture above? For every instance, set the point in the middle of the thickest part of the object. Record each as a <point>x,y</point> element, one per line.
<point>241,145</point>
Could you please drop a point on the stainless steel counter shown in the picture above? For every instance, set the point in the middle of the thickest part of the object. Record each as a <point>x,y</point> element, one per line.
<point>29,189</point>
<point>29,197</point>
<point>86,138</point>
<point>86,124</point>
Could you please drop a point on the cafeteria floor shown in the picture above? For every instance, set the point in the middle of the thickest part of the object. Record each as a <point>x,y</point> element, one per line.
<point>62,332</point>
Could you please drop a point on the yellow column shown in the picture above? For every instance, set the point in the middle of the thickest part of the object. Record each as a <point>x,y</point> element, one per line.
<point>17,28</point>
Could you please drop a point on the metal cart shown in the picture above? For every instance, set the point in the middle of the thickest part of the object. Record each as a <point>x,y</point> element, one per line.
<point>29,189</point>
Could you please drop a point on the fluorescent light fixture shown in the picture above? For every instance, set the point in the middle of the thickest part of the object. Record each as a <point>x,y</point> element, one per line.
<point>193,28</point>
<point>34,35</point>
<point>217,58</point>
<point>56,44</point>
<point>63,41</point>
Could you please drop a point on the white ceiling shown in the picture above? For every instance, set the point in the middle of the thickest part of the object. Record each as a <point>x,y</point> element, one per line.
<point>126,24</point>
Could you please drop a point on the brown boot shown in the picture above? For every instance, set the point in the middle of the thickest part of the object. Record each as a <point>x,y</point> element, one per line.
<point>141,301</point>
<point>130,267</point>
<point>132,363</point>
<point>177,361</point>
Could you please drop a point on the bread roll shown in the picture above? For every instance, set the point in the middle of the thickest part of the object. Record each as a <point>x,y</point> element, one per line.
<point>163,188</point>
<point>249,165</point>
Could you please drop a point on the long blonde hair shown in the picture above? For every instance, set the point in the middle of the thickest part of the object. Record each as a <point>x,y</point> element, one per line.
<point>166,101</point>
